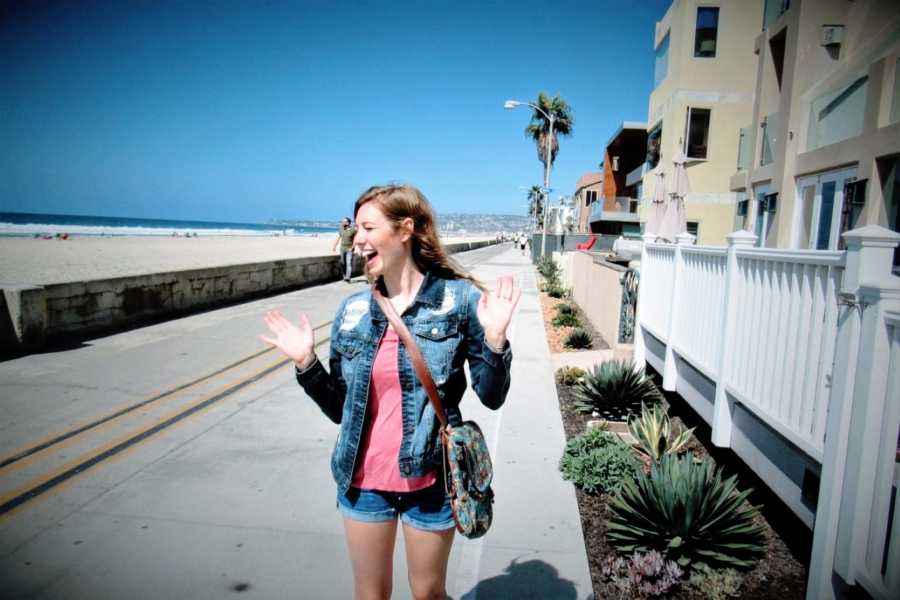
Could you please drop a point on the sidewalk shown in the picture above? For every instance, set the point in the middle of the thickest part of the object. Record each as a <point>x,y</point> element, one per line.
<point>238,497</point>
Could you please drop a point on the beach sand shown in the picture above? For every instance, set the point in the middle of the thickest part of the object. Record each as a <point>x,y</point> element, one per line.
<point>42,262</point>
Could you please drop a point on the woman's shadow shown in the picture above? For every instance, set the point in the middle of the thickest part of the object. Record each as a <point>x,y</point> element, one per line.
<point>530,579</point>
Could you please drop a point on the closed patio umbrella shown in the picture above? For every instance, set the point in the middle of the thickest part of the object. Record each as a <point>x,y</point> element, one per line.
<point>657,205</point>
<point>674,220</point>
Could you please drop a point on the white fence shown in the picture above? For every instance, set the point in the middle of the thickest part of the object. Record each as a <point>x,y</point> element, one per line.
<point>809,343</point>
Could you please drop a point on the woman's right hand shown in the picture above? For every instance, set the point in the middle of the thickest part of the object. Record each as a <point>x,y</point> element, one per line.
<point>296,341</point>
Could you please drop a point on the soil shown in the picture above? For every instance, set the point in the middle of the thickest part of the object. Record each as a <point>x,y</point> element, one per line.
<point>557,335</point>
<point>780,575</point>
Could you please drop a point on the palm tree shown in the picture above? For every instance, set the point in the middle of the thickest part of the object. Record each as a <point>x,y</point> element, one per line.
<point>535,205</point>
<point>563,120</point>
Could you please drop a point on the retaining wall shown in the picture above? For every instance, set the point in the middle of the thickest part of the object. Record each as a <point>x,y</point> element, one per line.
<point>30,315</point>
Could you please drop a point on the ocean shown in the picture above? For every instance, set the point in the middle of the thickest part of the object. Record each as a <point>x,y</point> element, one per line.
<point>13,224</point>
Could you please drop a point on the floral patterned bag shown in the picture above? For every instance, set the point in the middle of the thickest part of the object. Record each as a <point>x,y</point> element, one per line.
<point>468,470</point>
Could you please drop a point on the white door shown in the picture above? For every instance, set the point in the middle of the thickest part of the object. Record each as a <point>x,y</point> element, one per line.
<point>819,209</point>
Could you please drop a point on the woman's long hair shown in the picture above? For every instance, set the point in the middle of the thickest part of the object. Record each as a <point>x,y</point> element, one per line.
<point>399,202</point>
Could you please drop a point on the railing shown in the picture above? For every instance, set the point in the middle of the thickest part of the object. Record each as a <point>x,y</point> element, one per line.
<point>745,148</point>
<point>770,127</point>
<point>809,343</point>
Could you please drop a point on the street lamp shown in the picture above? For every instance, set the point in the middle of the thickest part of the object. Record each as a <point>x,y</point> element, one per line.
<point>509,104</point>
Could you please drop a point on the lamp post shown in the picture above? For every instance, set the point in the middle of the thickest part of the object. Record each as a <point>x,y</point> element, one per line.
<point>509,104</point>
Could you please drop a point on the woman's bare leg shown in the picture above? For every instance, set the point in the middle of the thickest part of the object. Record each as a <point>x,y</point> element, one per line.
<point>372,554</point>
<point>427,553</point>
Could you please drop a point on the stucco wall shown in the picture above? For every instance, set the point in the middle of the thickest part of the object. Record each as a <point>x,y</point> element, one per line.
<point>596,289</point>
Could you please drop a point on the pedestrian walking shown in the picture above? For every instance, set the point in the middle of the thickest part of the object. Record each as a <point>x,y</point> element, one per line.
<point>345,238</point>
<point>523,241</point>
<point>387,461</point>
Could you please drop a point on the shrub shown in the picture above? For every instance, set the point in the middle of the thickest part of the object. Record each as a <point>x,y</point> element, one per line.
<point>565,309</point>
<point>569,375</point>
<point>686,511</point>
<point>566,320</point>
<point>598,461</point>
<point>547,267</point>
<point>718,584</point>
<point>615,384</point>
<point>556,291</point>
<point>654,434</point>
<point>578,339</point>
<point>647,575</point>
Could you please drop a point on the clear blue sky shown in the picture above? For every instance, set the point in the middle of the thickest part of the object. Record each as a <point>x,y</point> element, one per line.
<point>248,111</point>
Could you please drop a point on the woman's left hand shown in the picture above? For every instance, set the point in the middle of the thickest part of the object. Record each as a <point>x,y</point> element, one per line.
<point>495,310</point>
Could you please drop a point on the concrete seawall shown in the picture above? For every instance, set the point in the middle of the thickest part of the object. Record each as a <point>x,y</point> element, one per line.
<point>31,315</point>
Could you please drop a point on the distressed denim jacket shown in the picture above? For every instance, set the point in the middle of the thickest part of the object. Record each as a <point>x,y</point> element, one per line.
<point>443,322</point>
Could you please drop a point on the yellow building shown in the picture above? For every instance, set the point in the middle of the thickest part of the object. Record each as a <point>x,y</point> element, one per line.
<point>703,94</point>
<point>820,154</point>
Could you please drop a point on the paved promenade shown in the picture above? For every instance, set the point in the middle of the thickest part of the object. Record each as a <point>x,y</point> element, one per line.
<point>205,487</point>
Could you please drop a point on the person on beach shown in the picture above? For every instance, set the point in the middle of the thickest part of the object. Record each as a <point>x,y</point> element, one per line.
<point>387,461</point>
<point>345,238</point>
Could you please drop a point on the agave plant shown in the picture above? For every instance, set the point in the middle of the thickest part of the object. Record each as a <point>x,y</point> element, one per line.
<point>565,309</point>
<point>566,320</point>
<point>654,434</point>
<point>579,338</point>
<point>685,510</point>
<point>615,385</point>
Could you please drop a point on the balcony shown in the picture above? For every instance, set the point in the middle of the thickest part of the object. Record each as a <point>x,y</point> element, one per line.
<point>625,210</point>
<point>771,129</point>
<point>745,148</point>
<point>774,9</point>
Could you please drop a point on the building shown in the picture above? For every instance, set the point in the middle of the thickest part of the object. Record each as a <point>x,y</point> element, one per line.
<point>820,155</point>
<point>701,98</point>
<point>617,211</point>
<point>587,191</point>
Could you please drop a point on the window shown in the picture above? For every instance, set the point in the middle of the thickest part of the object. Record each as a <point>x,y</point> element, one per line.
<point>741,211</point>
<point>590,197</point>
<point>654,143</point>
<point>838,116</point>
<point>661,67</point>
<point>707,31</point>
<point>693,228</point>
<point>696,132</point>
<point>854,202</point>
<point>776,51</point>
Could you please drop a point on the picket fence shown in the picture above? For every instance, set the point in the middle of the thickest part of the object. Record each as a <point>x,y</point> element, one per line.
<point>808,342</point>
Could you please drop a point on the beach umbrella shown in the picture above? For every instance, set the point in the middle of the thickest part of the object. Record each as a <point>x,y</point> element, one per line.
<point>657,205</point>
<point>674,220</point>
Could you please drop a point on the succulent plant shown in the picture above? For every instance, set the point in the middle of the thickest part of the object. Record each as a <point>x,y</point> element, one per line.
<point>654,434</point>
<point>598,461</point>
<point>569,375</point>
<point>579,338</point>
<point>556,291</point>
<point>566,320</point>
<point>565,309</point>
<point>647,575</point>
<point>685,510</point>
<point>615,385</point>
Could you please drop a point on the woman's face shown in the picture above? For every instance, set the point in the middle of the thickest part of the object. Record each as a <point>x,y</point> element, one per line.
<point>383,245</point>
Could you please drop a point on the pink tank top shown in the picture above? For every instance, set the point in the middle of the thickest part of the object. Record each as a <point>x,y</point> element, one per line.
<point>379,467</point>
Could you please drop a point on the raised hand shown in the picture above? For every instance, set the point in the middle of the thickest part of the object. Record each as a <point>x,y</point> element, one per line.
<point>495,310</point>
<point>296,341</point>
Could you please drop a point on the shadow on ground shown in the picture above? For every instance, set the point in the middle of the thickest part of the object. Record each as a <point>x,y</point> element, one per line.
<point>529,579</point>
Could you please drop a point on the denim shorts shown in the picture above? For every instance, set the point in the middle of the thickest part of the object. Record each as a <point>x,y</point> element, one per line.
<point>427,509</point>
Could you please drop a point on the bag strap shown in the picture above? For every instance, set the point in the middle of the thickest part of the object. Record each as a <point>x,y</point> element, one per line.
<point>414,353</point>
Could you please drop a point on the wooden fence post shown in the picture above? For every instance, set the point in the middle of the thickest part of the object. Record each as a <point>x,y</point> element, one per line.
<point>639,357</point>
<point>670,372</point>
<point>723,407</point>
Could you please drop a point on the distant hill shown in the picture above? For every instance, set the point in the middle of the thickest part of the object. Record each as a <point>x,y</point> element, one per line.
<point>447,222</point>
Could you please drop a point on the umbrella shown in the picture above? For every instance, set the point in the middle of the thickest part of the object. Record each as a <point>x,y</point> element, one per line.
<point>674,220</point>
<point>658,205</point>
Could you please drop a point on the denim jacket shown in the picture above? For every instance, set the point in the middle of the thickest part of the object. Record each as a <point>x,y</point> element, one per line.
<point>443,321</point>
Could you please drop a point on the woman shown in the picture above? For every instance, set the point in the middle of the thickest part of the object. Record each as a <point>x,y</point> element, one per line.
<point>387,458</point>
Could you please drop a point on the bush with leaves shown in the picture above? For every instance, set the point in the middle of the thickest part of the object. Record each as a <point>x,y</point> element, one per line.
<point>654,434</point>
<point>578,339</point>
<point>547,267</point>
<point>569,375</point>
<point>615,384</point>
<point>598,461</point>
<point>685,510</point>
<point>647,575</point>
<point>719,584</point>
<point>564,309</point>
<point>566,320</point>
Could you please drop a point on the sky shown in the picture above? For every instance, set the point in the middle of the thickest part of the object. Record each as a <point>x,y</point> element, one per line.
<point>247,111</point>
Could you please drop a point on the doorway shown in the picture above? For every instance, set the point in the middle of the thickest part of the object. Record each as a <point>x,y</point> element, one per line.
<point>819,206</point>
